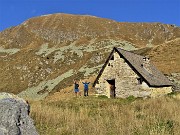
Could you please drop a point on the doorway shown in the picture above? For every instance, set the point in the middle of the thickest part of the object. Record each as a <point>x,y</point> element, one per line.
<point>112,88</point>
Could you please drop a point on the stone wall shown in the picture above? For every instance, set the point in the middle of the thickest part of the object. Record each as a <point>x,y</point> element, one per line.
<point>126,81</point>
<point>155,92</point>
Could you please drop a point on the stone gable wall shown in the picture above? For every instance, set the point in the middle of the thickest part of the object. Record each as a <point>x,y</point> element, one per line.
<point>126,82</point>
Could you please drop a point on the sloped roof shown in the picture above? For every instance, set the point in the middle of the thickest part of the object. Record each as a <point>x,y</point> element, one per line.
<point>135,61</point>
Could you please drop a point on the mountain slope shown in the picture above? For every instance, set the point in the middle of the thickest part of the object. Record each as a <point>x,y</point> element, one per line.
<point>44,54</point>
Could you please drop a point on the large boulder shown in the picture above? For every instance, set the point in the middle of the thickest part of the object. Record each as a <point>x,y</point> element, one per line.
<point>14,118</point>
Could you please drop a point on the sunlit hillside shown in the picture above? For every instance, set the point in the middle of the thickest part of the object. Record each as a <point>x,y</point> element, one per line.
<point>44,54</point>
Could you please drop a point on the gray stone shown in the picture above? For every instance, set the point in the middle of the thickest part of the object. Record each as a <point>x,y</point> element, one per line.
<point>14,118</point>
<point>175,80</point>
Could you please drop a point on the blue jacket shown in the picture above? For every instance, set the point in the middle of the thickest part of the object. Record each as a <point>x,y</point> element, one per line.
<point>86,85</point>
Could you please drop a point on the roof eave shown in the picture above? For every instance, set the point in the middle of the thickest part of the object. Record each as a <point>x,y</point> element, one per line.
<point>103,67</point>
<point>157,86</point>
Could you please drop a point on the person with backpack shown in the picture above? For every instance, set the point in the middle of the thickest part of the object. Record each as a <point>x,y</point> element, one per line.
<point>86,87</point>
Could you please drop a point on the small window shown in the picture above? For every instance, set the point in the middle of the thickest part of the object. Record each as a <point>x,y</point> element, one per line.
<point>109,64</point>
<point>112,57</point>
<point>139,80</point>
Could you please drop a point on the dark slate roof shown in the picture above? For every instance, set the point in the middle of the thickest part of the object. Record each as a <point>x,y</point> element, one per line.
<point>154,78</point>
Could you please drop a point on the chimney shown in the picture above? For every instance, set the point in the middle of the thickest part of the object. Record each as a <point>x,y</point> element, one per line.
<point>146,64</point>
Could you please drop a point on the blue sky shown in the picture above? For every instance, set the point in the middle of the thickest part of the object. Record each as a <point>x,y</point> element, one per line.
<point>14,12</point>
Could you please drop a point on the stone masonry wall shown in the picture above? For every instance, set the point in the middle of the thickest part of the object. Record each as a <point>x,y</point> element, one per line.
<point>126,81</point>
<point>155,92</point>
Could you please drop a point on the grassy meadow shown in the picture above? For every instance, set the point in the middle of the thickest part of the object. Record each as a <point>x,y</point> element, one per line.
<point>103,116</point>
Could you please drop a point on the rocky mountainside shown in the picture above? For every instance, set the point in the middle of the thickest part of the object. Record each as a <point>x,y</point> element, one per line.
<point>44,54</point>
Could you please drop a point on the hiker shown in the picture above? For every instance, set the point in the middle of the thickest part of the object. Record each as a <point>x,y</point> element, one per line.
<point>86,87</point>
<point>76,87</point>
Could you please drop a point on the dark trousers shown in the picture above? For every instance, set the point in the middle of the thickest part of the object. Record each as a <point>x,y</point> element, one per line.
<point>85,92</point>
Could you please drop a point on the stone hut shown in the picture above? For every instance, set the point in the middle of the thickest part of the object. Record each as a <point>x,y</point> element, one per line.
<point>127,74</point>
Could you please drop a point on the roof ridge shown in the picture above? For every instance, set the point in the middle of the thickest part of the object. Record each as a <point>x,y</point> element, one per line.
<point>129,51</point>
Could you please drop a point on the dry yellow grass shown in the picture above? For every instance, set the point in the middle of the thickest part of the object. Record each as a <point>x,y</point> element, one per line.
<point>69,91</point>
<point>102,116</point>
<point>166,56</point>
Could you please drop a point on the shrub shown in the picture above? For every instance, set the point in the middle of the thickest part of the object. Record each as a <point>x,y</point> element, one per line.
<point>102,96</point>
<point>131,98</point>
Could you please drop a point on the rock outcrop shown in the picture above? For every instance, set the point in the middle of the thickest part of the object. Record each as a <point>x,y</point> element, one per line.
<point>175,79</point>
<point>14,118</point>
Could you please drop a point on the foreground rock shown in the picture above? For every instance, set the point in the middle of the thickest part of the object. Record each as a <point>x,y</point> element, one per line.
<point>14,118</point>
